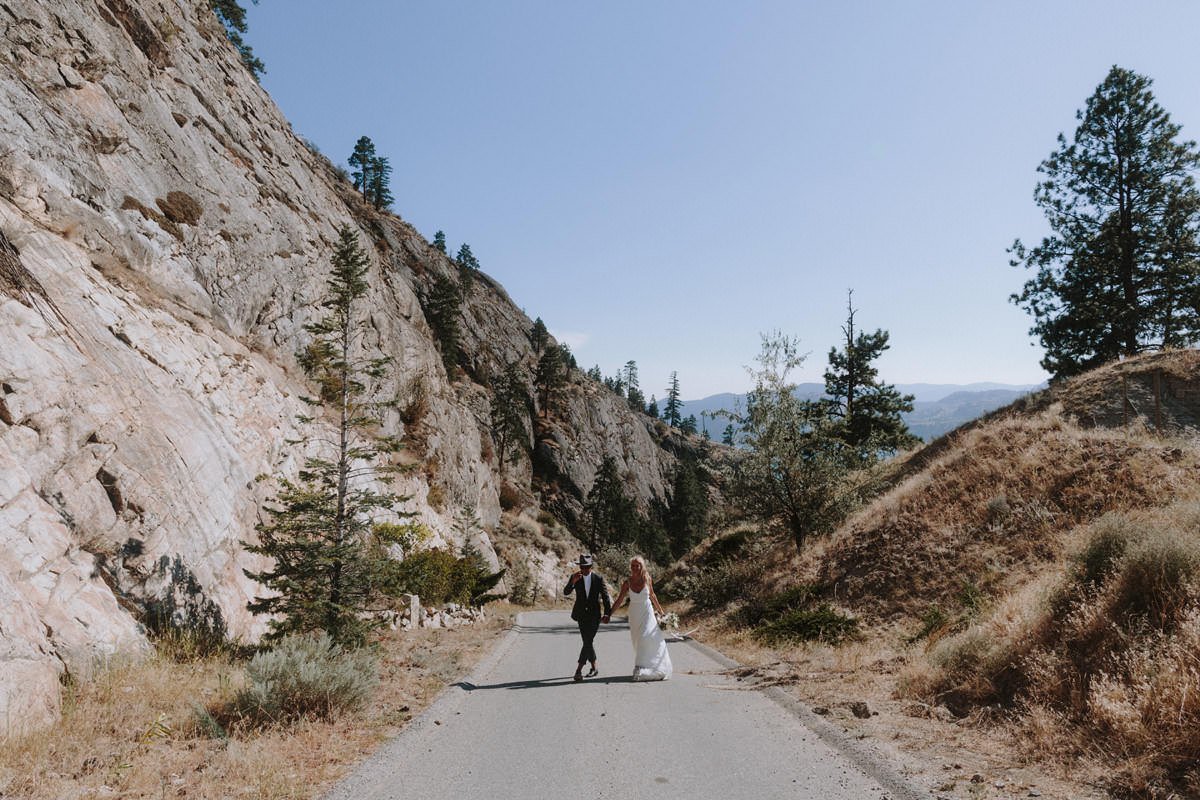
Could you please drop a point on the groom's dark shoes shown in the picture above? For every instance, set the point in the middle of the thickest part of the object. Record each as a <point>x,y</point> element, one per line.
<point>593,672</point>
<point>579,674</point>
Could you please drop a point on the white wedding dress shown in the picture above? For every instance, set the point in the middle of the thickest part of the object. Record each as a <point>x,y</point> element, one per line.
<point>651,662</point>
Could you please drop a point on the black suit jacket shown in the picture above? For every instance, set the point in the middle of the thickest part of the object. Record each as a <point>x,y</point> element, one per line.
<point>588,607</point>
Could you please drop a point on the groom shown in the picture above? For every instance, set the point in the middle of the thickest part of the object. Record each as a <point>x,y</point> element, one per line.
<point>589,589</point>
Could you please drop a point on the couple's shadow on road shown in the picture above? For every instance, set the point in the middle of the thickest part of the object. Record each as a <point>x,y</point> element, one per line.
<point>543,683</point>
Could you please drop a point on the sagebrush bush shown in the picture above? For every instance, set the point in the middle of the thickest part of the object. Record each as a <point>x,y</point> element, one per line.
<point>758,610</point>
<point>822,623</point>
<point>302,676</point>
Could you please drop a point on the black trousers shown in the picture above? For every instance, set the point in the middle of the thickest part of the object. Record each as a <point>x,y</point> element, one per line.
<point>587,629</point>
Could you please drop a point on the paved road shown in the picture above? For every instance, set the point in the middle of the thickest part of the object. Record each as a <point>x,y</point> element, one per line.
<point>524,729</point>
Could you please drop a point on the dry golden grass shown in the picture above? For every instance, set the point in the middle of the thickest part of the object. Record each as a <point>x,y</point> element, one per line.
<point>132,731</point>
<point>1083,671</point>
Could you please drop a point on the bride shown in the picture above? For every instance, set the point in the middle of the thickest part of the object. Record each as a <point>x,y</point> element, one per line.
<point>651,661</point>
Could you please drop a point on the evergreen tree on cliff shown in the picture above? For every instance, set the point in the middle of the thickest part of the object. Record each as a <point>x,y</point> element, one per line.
<point>609,516</point>
<point>673,407</point>
<point>687,515</point>
<point>441,310</point>
<point>362,162</point>
<point>380,189</point>
<point>468,265</point>
<point>233,18</point>
<point>550,378</point>
<point>867,409</point>
<point>1120,271</point>
<point>439,241</point>
<point>511,407</point>
<point>318,535</point>
<point>539,336</point>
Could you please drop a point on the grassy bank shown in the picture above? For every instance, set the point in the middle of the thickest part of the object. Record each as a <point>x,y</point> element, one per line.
<point>134,731</point>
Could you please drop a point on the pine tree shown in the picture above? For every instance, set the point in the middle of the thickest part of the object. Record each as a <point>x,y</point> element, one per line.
<point>362,160</point>
<point>439,241</point>
<point>318,535</point>
<point>867,409</point>
<point>233,19</point>
<point>687,515</point>
<point>727,435</point>
<point>467,266</point>
<point>652,409</point>
<point>539,337</point>
<point>380,189</point>
<point>442,311</point>
<point>609,515</point>
<point>595,374</point>
<point>637,400</point>
<point>550,378</point>
<point>511,407</point>
<point>1120,271</point>
<point>688,425</point>
<point>671,411</point>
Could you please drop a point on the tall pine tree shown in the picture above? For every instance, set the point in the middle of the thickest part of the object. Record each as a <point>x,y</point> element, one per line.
<point>362,163</point>
<point>441,310</point>
<point>550,378</point>
<point>323,575</point>
<point>867,409</point>
<point>233,17</point>
<point>380,189</point>
<point>673,407</point>
<point>439,241</point>
<point>511,408</point>
<point>1120,271</point>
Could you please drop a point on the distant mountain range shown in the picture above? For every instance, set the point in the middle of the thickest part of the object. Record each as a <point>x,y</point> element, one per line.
<point>937,407</point>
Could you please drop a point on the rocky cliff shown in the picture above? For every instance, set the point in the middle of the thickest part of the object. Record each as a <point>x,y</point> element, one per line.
<point>164,237</point>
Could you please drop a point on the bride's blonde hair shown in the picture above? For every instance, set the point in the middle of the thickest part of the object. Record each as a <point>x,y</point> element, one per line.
<point>641,561</point>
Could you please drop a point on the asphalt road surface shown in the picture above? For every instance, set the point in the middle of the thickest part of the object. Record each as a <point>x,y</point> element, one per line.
<point>521,728</point>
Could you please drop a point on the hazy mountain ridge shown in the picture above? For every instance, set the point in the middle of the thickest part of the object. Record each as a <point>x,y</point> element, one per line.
<point>937,408</point>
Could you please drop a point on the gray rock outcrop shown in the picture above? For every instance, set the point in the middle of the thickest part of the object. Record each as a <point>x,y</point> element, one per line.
<point>164,238</point>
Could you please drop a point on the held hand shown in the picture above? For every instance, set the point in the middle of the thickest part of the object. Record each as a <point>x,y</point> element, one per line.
<point>605,619</point>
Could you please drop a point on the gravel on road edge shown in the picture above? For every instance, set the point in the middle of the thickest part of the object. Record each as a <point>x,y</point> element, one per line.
<point>861,755</point>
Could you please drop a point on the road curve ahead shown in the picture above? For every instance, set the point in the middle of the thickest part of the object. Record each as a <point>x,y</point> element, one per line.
<point>521,728</point>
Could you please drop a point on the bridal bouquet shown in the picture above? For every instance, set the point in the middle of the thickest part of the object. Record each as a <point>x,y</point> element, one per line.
<point>669,621</point>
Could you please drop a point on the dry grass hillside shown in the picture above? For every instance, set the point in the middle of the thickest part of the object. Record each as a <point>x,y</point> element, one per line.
<point>1041,565</point>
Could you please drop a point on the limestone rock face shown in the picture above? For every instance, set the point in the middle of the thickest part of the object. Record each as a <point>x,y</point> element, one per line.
<point>164,238</point>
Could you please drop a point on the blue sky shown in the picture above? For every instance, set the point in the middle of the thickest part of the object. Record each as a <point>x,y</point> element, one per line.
<point>662,180</point>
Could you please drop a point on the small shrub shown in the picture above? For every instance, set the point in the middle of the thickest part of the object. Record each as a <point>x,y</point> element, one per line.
<point>998,509</point>
<point>932,621</point>
<point>1099,559</point>
<point>1154,582</point>
<point>180,207</point>
<point>764,609</point>
<point>408,535</point>
<point>823,623</point>
<point>522,588</point>
<point>716,586</point>
<point>510,497</point>
<point>303,676</point>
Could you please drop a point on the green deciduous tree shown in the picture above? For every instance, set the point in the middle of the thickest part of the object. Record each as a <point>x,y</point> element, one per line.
<point>1120,271</point>
<point>795,464</point>
<point>324,574</point>
<point>867,410</point>
<point>233,18</point>
<point>362,163</point>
